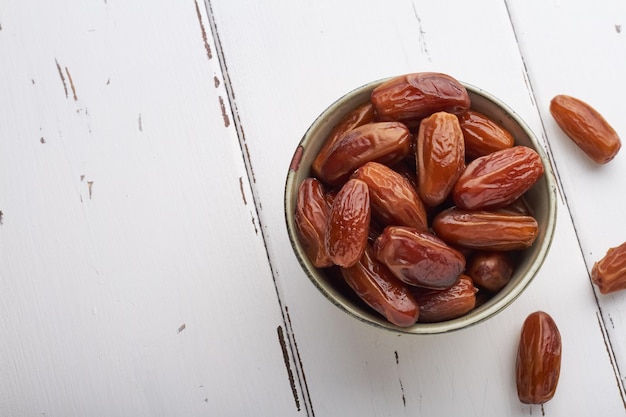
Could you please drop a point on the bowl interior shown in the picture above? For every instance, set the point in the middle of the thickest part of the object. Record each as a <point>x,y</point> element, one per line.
<point>541,199</point>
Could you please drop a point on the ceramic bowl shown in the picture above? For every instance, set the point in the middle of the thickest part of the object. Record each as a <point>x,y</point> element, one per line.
<point>541,199</point>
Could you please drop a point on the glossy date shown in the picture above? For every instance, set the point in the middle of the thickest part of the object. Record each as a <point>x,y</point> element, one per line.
<point>418,95</point>
<point>486,230</point>
<point>384,142</point>
<point>394,200</point>
<point>440,156</point>
<point>312,212</point>
<point>381,290</point>
<point>609,273</point>
<point>586,128</point>
<point>448,304</point>
<point>538,365</point>
<point>348,224</point>
<point>498,179</point>
<point>419,258</point>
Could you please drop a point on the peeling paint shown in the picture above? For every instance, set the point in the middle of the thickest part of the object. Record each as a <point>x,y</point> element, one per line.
<point>90,186</point>
<point>216,81</point>
<point>224,114</point>
<point>139,124</point>
<point>618,28</point>
<point>69,77</point>
<point>1,218</point>
<point>307,397</point>
<point>243,194</point>
<point>181,328</point>
<point>42,140</point>
<point>62,78</point>
<point>292,383</point>
<point>256,230</point>
<point>205,40</point>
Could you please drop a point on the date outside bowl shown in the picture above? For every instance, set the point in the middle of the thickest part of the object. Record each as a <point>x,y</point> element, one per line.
<point>541,198</point>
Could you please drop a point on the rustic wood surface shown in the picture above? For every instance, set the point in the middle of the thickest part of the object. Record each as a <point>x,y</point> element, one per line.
<point>146,268</point>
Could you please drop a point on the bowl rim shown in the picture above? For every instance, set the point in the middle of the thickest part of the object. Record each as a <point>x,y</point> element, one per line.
<point>464,321</point>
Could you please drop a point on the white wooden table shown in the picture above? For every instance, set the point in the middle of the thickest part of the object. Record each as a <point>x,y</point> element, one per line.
<point>145,268</point>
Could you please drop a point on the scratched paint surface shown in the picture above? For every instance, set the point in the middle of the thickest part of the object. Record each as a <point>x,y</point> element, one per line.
<point>145,266</point>
<point>361,371</point>
<point>134,278</point>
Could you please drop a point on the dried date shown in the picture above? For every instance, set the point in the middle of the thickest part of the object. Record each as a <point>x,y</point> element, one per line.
<point>491,270</point>
<point>440,156</point>
<point>482,135</point>
<point>418,95</point>
<point>358,117</point>
<point>384,142</point>
<point>419,258</point>
<point>538,365</point>
<point>586,128</point>
<point>394,201</point>
<point>498,179</point>
<point>448,304</point>
<point>609,273</point>
<point>348,224</point>
<point>486,230</point>
<point>311,218</point>
<point>381,290</point>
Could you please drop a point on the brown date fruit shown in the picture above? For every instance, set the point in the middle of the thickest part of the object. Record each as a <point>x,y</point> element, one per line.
<point>417,95</point>
<point>393,199</point>
<point>384,142</point>
<point>486,230</point>
<point>495,180</point>
<point>381,290</point>
<point>586,128</point>
<point>491,270</point>
<point>538,363</point>
<point>311,218</point>
<point>609,273</point>
<point>348,224</point>
<point>440,156</point>
<point>441,305</point>
<point>418,258</point>
<point>482,135</point>
<point>358,117</point>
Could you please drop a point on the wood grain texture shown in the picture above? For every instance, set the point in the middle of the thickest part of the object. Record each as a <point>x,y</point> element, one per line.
<point>356,370</point>
<point>146,268</point>
<point>133,275</point>
<point>553,53</point>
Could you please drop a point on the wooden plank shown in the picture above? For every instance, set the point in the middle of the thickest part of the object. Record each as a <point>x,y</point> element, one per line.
<point>286,61</point>
<point>133,274</point>
<point>583,54</point>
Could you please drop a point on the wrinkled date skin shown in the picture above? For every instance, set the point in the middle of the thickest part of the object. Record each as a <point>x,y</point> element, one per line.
<point>609,273</point>
<point>482,135</point>
<point>419,258</point>
<point>381,290</point>
<point>586,127</point>
<point>384,142</point>
<point>418,95</point>
<point>440,156</point>
<point>358,117</point>
<point>394,201</point>
<point>538,363</point>
<point>348,224</point>
<point>486,230</point>
<point>312,212</point>
<point>441,305</point>
<point>495,180</point>
<point>491,270</point>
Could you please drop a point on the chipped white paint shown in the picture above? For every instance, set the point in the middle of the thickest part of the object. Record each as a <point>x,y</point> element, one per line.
<point>145,266</point>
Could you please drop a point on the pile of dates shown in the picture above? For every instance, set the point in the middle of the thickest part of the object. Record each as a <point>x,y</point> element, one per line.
<point>418,201</point>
